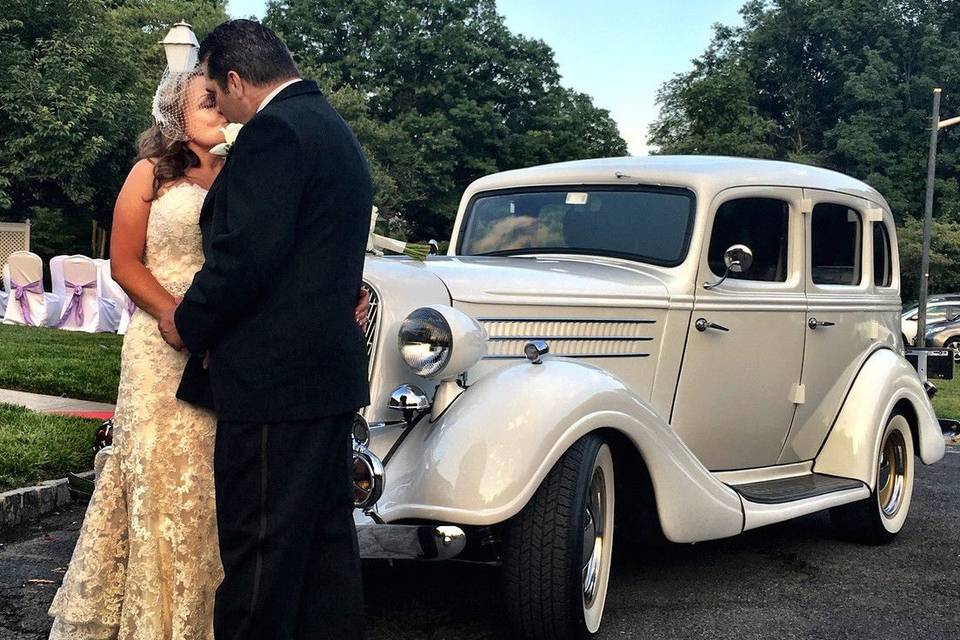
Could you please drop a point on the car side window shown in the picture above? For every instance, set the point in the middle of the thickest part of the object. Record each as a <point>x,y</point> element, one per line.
<point>836,244</point>
<point>762,225</point>
<point>882,262</point>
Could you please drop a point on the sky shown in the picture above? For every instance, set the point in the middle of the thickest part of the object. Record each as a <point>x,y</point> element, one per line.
<point>618,51</point>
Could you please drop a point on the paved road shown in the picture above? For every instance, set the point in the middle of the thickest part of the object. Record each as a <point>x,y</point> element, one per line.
<point>793,580</point>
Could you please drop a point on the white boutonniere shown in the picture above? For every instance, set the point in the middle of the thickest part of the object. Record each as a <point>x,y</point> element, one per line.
<point>229,136</point>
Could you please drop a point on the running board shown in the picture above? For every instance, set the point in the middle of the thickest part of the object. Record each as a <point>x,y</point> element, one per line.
<point>787,498</point>
<point>796,488</point>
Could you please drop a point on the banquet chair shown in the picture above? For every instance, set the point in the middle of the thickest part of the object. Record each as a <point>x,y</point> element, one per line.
<point>56,274</point>
<point>84,307</point>
<point>28,304</point>
<point>110,289</point>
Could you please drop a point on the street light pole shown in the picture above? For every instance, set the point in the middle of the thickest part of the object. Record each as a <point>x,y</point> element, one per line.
<point>921,339</point>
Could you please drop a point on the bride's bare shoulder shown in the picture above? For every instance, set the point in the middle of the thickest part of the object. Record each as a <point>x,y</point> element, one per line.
<point>140,178</point>
<point>137,191</point>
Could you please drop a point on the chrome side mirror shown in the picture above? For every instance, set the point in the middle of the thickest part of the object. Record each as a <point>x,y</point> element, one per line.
<point>434,247</point>
<point>737,259</point>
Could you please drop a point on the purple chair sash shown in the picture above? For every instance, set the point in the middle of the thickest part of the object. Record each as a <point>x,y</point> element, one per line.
<point>20,295</point>
<point>75,307</point>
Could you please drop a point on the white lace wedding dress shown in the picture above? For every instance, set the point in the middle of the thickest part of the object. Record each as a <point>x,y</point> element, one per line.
<point>147,563</point>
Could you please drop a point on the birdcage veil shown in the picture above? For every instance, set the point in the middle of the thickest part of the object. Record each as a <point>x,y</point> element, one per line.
<point>170,100</point>
<point>170,103</point>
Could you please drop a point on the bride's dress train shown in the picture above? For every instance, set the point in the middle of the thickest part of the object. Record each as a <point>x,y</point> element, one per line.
<point>147,564</point>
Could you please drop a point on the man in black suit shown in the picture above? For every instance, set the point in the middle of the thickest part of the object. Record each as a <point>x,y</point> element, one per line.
<point>284,230</point>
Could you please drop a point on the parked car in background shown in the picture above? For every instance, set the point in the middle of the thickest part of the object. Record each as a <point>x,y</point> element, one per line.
<point>946,334</point>
<point>939,309</point>
<point>690,347</point>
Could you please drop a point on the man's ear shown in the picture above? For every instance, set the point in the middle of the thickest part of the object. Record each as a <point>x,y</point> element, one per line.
<point>234,84</point>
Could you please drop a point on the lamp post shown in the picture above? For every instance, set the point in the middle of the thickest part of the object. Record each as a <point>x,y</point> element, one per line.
<point>936,124</point>
<point>181,46</point>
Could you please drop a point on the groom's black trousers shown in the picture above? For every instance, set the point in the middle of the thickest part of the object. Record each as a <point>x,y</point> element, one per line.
<point>287,537</point>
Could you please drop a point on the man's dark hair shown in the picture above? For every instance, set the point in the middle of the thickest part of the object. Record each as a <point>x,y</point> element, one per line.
<point>250,49</point>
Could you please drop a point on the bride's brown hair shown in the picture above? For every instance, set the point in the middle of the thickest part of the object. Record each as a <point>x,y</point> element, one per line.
<point>171,158</point>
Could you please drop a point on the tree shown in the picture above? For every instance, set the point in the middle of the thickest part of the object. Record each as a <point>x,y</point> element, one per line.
<point>449,90</point>
<point>79,76</point>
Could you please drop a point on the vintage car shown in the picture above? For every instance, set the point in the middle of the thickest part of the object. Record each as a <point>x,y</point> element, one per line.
<point>685,347</point>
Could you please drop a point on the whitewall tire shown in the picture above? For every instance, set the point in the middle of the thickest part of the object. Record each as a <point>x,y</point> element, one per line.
<point>881,516</point>
<point>556,561</point>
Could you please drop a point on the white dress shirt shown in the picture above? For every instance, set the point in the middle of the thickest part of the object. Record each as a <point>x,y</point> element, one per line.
<point>273,94</point>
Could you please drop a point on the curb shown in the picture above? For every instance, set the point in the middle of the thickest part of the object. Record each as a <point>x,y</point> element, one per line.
<point>29,503</point>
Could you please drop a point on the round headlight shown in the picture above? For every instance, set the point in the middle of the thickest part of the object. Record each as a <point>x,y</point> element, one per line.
<point>425,341</point>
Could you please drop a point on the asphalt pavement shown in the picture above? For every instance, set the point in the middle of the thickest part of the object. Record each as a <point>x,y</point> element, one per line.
<point>792,580</point>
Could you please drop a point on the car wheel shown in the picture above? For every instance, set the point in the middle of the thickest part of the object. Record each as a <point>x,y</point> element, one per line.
<point>954,345</point>
<point>880,517</point>
<point>556,562</point>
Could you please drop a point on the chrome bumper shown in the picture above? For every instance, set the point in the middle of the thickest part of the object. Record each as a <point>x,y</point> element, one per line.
<point>410,542</point>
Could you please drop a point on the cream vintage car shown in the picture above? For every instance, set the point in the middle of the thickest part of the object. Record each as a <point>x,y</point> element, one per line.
<point>690,347</point>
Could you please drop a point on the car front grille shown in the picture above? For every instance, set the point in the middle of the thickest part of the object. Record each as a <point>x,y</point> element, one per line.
<point>373,327</point>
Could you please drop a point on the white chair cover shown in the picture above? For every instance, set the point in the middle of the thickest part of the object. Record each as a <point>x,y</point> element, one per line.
<point>4,295</point>
<point>28,304</point>
<point>112,291</point>
<point>84,307</point>
<point>56,274</point>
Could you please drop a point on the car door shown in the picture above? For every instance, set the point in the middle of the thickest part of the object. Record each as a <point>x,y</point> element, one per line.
<point>742,362</point>
<point>842,312</point>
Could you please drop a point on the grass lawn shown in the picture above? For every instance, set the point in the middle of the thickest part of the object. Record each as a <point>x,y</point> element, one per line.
<point>35,446</point>
<point>60,363</point>
<point>947,400</point>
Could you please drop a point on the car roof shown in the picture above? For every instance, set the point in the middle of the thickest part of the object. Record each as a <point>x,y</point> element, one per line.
<point>702,173</point>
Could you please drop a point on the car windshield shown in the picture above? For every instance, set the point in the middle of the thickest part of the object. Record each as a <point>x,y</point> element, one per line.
<point>648,224</point>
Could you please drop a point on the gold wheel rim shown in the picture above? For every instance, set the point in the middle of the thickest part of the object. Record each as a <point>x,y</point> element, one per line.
<point>891,475</point>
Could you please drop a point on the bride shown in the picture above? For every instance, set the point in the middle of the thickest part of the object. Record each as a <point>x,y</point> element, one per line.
<point>146,565</point>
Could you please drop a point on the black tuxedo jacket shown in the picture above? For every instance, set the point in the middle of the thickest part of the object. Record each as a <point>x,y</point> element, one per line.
<point>284,233</point>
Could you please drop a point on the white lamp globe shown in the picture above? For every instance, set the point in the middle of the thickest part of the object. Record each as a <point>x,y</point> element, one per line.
<point>181,47</point>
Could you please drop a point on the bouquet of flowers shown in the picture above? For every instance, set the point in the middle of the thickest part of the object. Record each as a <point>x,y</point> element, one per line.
<point>378,244</point>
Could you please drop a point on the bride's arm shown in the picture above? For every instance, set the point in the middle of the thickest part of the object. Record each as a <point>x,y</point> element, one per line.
<point>128,239</point>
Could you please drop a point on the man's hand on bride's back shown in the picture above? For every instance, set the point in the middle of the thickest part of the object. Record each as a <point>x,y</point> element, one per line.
<point>363,309</point>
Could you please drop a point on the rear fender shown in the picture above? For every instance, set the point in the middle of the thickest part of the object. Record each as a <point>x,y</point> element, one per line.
<point>885,381</point>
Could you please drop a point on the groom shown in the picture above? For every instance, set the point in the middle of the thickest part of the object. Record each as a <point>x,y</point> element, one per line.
<point>284,233</point>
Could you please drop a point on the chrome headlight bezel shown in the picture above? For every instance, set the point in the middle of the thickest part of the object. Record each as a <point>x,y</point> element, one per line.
<point>456,340</point>
<point>425,342</point>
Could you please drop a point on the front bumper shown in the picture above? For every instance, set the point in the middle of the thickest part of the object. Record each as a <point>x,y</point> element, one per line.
<point>410,542</point>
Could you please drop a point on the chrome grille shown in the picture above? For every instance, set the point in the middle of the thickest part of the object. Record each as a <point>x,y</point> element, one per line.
<point>574,338</point>
<point>373,326</point>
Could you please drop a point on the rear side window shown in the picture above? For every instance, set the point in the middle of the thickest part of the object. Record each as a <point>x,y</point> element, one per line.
<point>762,225</point>
<point>882,262</point>
<point>836,244</point>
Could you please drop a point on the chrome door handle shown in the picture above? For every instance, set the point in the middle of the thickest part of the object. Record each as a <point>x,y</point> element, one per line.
<point>702,324</point>
<point>813,323</point>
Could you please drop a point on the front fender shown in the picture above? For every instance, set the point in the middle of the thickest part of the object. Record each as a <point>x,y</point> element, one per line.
<point>482,460</point>
<point>885,380</point>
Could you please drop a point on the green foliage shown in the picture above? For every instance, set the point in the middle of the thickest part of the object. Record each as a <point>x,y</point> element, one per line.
<point>79,76</point>
<point>944,257</point>
<point>440,93</point>
<point>843,84</point>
